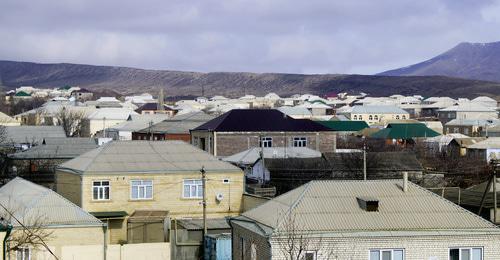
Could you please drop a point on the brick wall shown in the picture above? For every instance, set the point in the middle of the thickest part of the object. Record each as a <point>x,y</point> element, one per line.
<point>232,143</point>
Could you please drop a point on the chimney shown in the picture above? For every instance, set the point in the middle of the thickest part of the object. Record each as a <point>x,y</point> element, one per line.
<point>405,181</point>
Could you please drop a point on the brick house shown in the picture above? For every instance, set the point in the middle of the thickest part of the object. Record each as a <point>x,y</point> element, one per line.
<point>362,220</point>
<point>241,129</point>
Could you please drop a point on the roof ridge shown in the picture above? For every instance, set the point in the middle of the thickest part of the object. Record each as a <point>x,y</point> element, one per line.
<point>294,205</point>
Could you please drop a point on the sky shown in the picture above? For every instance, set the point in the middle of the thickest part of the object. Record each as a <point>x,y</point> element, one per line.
<point>288,36</point>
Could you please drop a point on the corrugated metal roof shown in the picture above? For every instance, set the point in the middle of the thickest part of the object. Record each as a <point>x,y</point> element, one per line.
<point>197,224</point>
<point>58,148</point>
<point>135,157</point>
<point>251,155</point>
<point>31,203</point>
<point>488,143</point>
<point>137,122</point>
<point>179,124</point>
<point>405,131</point>
<point>377,110</point>
<point>469,107</point>
<point>331,206</point>
<point>32,134</point>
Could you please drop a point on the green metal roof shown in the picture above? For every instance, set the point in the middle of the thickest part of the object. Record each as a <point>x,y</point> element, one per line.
<point>405,131</point>
<point>345,125</point>
<point>22,94</point>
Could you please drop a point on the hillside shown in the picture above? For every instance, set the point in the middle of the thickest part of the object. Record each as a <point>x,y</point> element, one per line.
<point>177,83</point>
<point>479,61</point>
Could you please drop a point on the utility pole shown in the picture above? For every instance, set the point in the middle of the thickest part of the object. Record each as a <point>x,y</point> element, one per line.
<point>364,159</point>
<point>204,184</point>
<point>495,164</point>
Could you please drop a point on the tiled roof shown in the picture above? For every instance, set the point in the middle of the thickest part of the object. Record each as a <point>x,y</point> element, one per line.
<point>255,120</point>
<point>332,206</point>
<point>30,202</point>
<point>136,157</point>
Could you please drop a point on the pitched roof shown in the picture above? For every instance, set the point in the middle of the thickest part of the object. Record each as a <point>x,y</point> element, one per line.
<point>251,155</point>
<point>469,107</point>
<point>137,122</point>
<point>332,206</point>
<point>377,110</point>
<point>405,131</point>
<point>345,125</point>
<point>32,134</point>
<point>22,94</point>
<point>377,162</point>
<point>58,148</point>
<point>295,111</point>
<point>474,122</point>
<point>31,202</point>
<point>255,120</point>
<point>488,143</point>
<point>179,124</point>
<point>111,113</point>
<point>143,157</point>
<point>151,106</point>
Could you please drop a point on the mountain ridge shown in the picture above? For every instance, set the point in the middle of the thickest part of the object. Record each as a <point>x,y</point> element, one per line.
<point>480,61</point>
<point>127,80</point>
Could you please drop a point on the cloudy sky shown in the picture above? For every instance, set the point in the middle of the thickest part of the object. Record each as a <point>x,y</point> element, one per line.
<point>303,36</point>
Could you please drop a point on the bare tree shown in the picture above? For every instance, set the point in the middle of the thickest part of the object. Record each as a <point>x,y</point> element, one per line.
<point>29,228</point>
<point>295,243</point>
<point>71,121</point>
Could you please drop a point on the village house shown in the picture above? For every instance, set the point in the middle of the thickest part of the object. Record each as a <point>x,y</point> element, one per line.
<point>156,108</point>
<point>104,118</point>
<point>375,114</point>
<point>62,225</point>
<point>360,220</point>
<point>24,137</point>
<point>242,129</point>
<point>470,127</point>
<point>175,128</point>
<point>137,187</point>
<point>467,110</point>
<point>123,131</point>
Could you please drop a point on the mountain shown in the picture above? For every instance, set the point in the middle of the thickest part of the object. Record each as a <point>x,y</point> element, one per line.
<point>479,61</point>
<point>177,83</point>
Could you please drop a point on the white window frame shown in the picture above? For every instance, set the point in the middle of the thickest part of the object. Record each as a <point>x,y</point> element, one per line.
<point>299,141</point>
<point>139,186</point>
<point>266,141</point>
<point>198,186</point>
<point>23,254</point>
<point>375,117</point>
<point>380,250</point>
<point>315,254</point>
<point>370,117</point>
<point>355,117</point>
<point>102,189</point>
<point>466,248</point>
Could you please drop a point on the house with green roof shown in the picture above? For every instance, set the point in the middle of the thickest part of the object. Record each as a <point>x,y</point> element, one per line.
<point>347,126</point>
<point>405,131</point>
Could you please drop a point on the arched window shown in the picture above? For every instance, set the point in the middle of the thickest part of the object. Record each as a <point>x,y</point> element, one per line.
<point>375,117</point>
<point>355,117</point>
<point>404,117</point>
<point>370,117</point>
<point>397,116</point>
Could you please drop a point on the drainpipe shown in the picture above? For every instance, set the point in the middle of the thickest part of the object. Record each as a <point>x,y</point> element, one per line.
<point>105,242</point>
<point>7,234</point>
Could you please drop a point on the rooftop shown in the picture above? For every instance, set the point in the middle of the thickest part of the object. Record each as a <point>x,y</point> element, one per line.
<point>255,120</point>
<point>30,202</point>
<point>179,124</point>
<point>405,131</point>
<point>146,157</point>
<point>32,134</point>
<point>251,155</point>
<point>377,110</point>
<point>332,206</point>
<point>350,126</point>
<point>57,148</point>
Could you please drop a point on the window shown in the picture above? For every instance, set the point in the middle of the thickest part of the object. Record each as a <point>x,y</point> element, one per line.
<point>404,117</point>
<point>375,117</point>
<point>387,254</point>
<point>370,117</point>
<point>141,189</point>
<point>23,253</point>
<point>355,117</point>
<point>226,181</point>
<point>299,142</point>
<point>360,117</point>
<point>100,190</point>
<point>193,189</point>
<point>397,116</point>
<point>450,115</point>
<point>466,253</point>
<point>266,142</point>
<point>309,255</point>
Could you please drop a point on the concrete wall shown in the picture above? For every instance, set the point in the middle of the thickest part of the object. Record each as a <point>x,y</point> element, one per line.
<point>229,143</point>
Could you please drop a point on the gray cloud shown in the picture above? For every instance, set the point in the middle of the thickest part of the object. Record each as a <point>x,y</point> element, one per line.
<point>314,36</point>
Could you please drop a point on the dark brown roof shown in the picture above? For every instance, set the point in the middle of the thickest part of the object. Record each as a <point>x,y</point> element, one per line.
<point>256,120</point>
